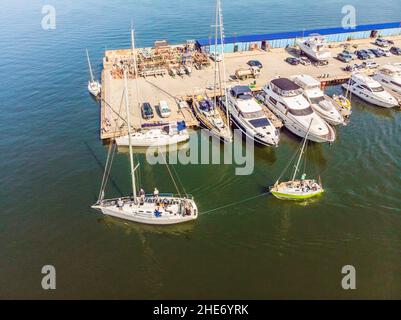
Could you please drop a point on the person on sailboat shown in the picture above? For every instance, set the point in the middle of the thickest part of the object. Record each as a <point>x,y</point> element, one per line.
<point>156,193</point>
<point>120,203</point>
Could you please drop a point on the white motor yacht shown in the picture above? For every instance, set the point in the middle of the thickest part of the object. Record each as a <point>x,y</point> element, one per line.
<point>389,76</point>
<point>315,48</point>
<point>287,101</point>
<point>370,91</point>
<point>249,116</point>
<point>323,105</point>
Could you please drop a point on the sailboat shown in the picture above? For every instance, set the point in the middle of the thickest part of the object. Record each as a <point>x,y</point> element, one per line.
<point>94,86</point>
<point>206,110</point>
<point>298,189</point>
<point>160,135</point>
<point>156,209</point>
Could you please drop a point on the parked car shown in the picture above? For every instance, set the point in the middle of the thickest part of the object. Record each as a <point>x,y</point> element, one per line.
<point>255,63</point>
<point>293,61</point>
<point>395,50</point>
<point>305,61</point>
<point>344,57</point>
<point>376,52</point>
<point>164,109</point>
<point>362,54</point>
<point>382,42</point>
<point>370,65</point>
<point>353,55</point>
<point>147,111</point>
<point>370,54</point>
<point>385,52</point>
<point>215,56</point>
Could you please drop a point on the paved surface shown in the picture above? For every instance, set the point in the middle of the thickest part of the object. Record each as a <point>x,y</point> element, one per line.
<point>154,89</point>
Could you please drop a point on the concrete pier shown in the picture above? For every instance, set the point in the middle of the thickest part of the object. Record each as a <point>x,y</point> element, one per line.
<point>174,89</point>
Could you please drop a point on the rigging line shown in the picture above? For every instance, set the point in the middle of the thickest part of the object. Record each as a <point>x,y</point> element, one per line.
<point>172,178</point>
<point>179,181</point>
<point>288,165</point>
<point>112,149</point>
<point>235,203</point>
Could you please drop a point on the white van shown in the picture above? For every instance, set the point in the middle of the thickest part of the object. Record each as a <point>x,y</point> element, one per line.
<point>164,109</point>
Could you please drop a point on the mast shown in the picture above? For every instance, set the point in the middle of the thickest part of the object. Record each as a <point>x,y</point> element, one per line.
<point>131,155</point>
<point>133,50</point>
<point>90,67</point>
<point>215,52</point>
<point>302,151</point>
<point>223,61</point>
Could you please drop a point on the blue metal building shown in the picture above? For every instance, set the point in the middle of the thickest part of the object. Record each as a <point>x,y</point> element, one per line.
<point>283,39</point>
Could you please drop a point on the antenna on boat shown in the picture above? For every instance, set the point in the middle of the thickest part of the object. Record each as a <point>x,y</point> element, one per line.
<point>90,66</point>
<point>302,152</point>
<point>131,155</point>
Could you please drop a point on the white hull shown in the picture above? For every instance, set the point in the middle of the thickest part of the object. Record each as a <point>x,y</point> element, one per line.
<point>332,115</point>
<point>368,98</point>
<point>145,213</point>
<point>94,88</point>
<point>300,130</point>
<point>153,138</point>
<point>250,132</point>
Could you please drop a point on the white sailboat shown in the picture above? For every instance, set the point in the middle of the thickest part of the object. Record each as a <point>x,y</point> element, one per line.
<point>298,189</point>
<point>94,86</point>
<point>164,135</point>
<point>205,109</point>
<point>156,209</point>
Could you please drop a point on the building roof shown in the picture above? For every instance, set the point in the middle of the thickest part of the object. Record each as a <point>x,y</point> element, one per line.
<point>285,84</point>
<point>299,34</point>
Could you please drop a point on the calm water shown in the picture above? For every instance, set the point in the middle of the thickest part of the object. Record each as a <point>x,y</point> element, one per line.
<point>51,165</point>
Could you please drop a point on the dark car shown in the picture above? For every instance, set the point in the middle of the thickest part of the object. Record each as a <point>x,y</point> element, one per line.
<point>395,50</point>
<point>362,54</point>
<point>255,63</point>
<point>378,53</point>
<point>293,61</point>
<point>147,111</point>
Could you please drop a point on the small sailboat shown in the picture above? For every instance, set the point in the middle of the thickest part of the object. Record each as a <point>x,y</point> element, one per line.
<point>298,189</point>
<point>206,110</point>
<point>94,86</point>
<point>155,209</point>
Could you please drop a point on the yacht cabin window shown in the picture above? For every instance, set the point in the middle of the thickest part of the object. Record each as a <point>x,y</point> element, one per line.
<point>301,112</point>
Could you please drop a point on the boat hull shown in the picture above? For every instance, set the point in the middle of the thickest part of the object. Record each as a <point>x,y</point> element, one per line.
<point>295,196</point>
<point>146,141</point>
<point>369,99</point>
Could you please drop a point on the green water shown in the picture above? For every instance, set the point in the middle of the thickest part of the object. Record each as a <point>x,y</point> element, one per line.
<point>52,163</point>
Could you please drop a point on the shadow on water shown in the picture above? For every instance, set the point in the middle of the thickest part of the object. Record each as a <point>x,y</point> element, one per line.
<point>100,164</point>
<point>183,229</point>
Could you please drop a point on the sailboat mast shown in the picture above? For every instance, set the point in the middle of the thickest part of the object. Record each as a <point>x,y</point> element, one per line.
<point>90,66</point>
<point>133,51</point>
<point>131,155</point>
<point>215,52</point>
<point>302,152</point>
<point>223,61</point>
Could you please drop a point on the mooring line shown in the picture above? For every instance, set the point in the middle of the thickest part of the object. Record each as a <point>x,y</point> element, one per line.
<point>234,203</point>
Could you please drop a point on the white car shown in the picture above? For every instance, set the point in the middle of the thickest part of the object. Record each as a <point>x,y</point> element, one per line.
<point>386,52</point>
<point>382,42</point>
<point>215,56</point>
<point>164,109</point>
<point>370,65</point>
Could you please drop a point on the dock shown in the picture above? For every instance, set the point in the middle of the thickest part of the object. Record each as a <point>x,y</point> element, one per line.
<point>163,80</point>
